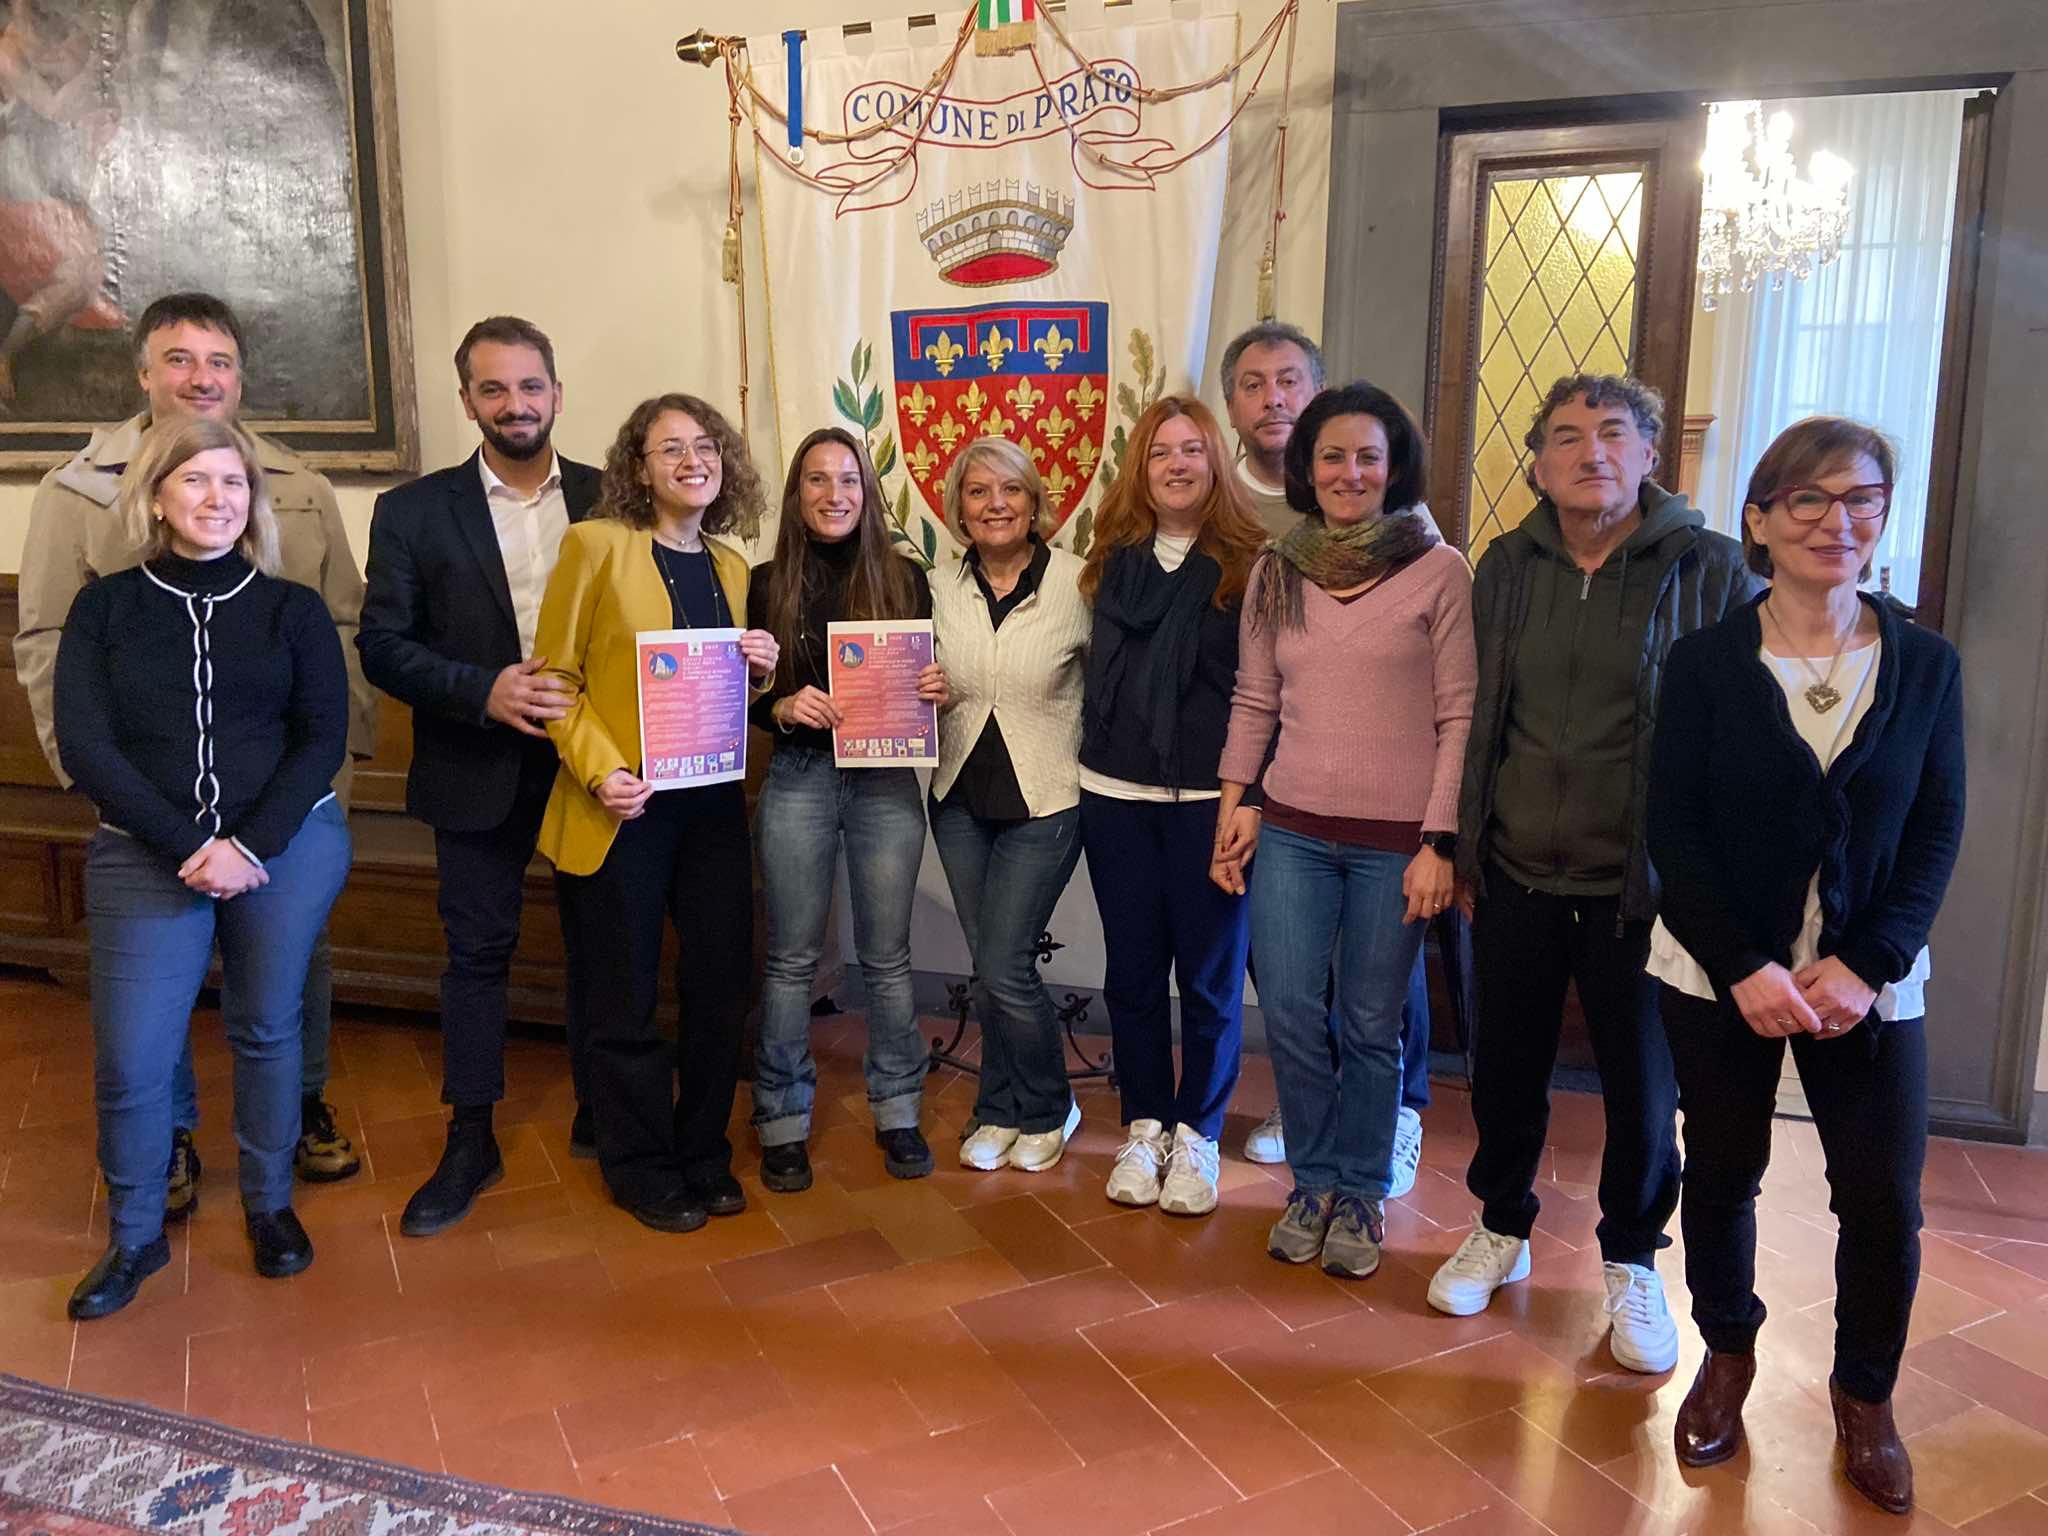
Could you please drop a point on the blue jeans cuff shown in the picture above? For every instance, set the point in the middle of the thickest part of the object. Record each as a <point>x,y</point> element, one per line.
<point>898,1114</point>
<point>783,1130</point>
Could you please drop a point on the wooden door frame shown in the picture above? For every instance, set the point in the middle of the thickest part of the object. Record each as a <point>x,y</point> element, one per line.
<point>1945,453</point>
<point>1669,147</point>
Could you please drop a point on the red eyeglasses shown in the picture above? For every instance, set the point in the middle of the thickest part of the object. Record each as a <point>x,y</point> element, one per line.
<point>1811,503</point>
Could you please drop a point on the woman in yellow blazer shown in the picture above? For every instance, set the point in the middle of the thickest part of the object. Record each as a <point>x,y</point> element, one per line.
<point>651,557</point>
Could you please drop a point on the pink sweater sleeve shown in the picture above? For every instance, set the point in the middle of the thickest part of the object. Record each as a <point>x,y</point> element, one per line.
<point>1456,680</point>
<point>1255,702</point>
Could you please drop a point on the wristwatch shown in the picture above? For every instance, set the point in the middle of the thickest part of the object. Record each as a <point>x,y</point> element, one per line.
<point>1444,844</point>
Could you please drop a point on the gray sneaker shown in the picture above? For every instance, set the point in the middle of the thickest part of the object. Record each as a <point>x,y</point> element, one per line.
<point>1351,1247</point>
<point>1297,1237</point>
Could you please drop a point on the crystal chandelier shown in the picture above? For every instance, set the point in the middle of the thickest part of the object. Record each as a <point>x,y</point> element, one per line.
<point>1758,216</point>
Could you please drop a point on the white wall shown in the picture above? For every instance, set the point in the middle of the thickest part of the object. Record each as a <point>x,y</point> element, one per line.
<point>560,163</point>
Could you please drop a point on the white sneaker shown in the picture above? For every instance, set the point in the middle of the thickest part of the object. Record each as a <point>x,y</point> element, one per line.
<point>988,1148</point>
<point>1265,1143</point>
<point>1407,1152</point>
<point>1642,1337</point>
<point>1134,1180</point>
<point>1039,1150</point>
<point>1189,1188</point>
<point>1484,1262</point>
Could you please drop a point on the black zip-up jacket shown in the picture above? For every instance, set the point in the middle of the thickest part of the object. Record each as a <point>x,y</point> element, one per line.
<point>1676,577</point>
<point>1741,816</point>
<point>200,699</point>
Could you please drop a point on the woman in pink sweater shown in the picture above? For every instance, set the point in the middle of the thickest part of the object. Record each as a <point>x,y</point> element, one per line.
<point>1357,647</point>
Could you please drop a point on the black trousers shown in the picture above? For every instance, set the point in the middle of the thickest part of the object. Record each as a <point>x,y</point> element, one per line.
<point>1525,946</point>
<point>482,878</point>
<point>687,861</point>
<point>1868,1094</point>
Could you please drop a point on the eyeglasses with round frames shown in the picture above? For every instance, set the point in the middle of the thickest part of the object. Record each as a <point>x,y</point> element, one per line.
<point>1811,503</point>
<point>705,451</point>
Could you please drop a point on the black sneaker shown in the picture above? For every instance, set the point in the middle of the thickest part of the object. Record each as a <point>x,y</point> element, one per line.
<point>905,1153</point>
<point>469,1165</point>
<point>786,1168</point>
<point>112,1283</point>
<point>719,1193</point>
<point>181,1190</point>
<point>323,1154</point>
<point>582,1134</point>
<point>676,1211</point>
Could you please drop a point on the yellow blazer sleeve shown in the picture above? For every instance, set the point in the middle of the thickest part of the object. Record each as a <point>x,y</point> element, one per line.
<point>565,635</point>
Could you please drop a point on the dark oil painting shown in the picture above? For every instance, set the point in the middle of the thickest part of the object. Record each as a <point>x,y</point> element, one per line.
<point>150,146</point>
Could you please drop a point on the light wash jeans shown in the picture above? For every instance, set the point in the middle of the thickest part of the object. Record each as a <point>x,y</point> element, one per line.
<point>1318,909</point>
<point>808,807</point>
<point>152,939</point>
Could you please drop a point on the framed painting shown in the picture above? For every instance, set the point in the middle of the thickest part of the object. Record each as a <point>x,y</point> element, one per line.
<point>248,148</point>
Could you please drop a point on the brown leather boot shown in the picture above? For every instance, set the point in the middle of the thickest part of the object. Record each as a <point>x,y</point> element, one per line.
<point>1874,1458</point>
<point>1709,1426</point>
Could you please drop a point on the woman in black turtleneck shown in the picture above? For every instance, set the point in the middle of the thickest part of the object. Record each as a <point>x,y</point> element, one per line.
<point>833,561</point>
<point>201,701</point>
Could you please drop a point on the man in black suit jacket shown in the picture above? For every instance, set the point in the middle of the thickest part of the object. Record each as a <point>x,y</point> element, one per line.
<point>458,562</point>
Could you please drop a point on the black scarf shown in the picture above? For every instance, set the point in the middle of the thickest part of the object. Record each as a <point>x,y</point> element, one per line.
<point>1138,599</point>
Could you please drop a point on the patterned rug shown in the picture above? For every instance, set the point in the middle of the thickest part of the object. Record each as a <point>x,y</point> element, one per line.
<point>72,1465</point>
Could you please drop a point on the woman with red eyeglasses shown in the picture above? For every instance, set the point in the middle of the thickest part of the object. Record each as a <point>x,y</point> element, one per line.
<point>1806,804</point>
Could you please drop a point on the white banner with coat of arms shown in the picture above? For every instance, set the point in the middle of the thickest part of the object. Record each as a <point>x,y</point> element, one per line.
<point>1027,250</point>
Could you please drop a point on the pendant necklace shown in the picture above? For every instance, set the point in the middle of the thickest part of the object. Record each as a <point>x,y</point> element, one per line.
<point>675,596</point>
<point>1821,694</point>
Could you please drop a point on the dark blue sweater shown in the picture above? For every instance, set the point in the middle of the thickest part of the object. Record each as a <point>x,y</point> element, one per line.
<point>199,699</point>
<point>1740,815</point>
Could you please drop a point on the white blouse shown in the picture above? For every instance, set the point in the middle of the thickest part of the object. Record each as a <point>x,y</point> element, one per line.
<point>1827,734</point>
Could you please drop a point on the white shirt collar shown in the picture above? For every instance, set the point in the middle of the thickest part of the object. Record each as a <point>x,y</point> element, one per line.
<point>493,485</point>
<point>1250,478</point>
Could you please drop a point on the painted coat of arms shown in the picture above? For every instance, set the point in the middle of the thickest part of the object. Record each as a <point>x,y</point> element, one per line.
<point>1035,373</point>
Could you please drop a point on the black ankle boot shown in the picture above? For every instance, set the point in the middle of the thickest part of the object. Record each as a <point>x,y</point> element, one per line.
<point>469,1165</point>
<point>282,1246</point>
<point>786,1168</point>
<point>112,1283</point>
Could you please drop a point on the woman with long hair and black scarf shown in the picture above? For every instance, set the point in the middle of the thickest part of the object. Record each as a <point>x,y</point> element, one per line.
<point>1357,647</point>
<point>1174,545</point>
<point>834,561</point>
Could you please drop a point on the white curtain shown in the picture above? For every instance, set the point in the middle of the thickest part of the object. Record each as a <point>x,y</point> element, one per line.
<point>1862,336</point>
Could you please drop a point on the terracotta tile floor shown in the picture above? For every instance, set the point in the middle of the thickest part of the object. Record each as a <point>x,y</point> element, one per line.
<point>994,1353</point>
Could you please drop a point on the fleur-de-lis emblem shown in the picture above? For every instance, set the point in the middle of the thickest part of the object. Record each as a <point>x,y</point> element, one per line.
<point>1084,397</point>
<point>1086,457</point>
<point>921,461</point>
<point>948,431</point>
<point>994,346</point>
<point>995,426</point>
<point>1057,483</point>
<point>973,402</point>
<point>917,404</point>
<point>944,353</point>
<point>1056,427</point>
<point>1024,399</point>
<point>1053,347</point>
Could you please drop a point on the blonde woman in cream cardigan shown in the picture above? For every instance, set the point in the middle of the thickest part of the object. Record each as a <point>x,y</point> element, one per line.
<point>1012,633</point>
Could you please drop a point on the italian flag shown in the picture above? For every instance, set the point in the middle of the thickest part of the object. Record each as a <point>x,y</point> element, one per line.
<point>1004,26</point>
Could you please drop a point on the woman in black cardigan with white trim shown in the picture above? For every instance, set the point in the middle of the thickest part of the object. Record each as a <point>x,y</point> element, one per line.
<point>202,703</point>
<point>1806,806</point>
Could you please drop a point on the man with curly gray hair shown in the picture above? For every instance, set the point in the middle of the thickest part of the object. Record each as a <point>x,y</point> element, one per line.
<point>1574,612</point>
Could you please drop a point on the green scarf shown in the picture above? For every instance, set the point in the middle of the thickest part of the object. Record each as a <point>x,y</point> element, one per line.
<point>1336,559</point>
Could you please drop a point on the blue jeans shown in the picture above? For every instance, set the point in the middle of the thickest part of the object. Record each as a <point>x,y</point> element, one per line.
<point>807,806</point>
<point>316,1023</point>
<point>152,939</point>
<point>1317,906</point>
<point>1006,877</point>
<point>1161,913</point>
